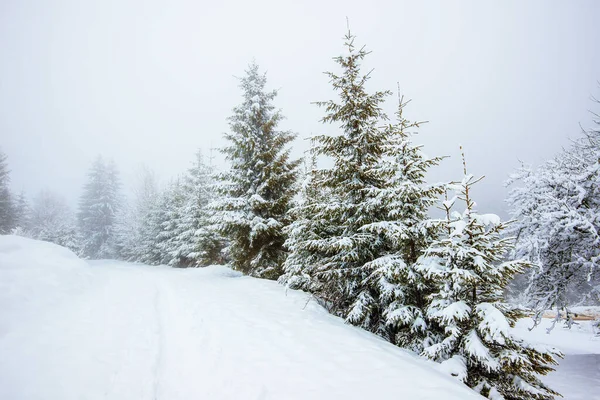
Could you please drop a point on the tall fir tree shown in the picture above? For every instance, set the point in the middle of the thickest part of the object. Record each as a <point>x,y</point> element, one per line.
<point>7,211</point>
<point>393,296</point>
<point>98,206</point>
<point>260,184</point>
<point>335,246</point>
<point>467,266</point>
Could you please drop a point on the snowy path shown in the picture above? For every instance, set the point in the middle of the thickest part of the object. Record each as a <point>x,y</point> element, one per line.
<point>70,330</point>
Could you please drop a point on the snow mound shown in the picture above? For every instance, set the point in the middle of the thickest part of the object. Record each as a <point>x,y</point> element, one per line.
<point>35,276</point>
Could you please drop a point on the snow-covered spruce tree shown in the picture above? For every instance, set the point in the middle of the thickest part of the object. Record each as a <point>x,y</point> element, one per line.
<point>52,220</point>
<point>468,310</point>
<point>557,209</point>
<point>172,211</point>
<point>161,227</point>
<point>7,217</point>
<point>125,232</point>
<point>333,253</point>
<point>298,266</point>
<point>148,250</point>
<point>133,217</point>
<point>393,296</point>
<point>97,209</point>
<point>260,184</point>
<point>197,242</point>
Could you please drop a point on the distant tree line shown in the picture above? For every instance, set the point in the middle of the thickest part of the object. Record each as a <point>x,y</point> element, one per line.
<point>359,235</point>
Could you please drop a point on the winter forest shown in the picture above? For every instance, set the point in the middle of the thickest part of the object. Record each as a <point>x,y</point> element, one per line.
<point>359,225</point>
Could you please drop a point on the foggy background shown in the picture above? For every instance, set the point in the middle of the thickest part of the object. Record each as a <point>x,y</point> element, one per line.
<point>151,81</point>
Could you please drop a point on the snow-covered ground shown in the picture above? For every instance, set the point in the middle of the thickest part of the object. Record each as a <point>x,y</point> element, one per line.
<point>110,330</point>
<point>578,374</point>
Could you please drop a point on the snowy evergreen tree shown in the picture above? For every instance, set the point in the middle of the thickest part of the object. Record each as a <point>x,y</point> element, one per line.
<point>148,250</point>
<point>170,213</point>
<point>7,217</point>
<point>132,218</point>
<point>159,229</point>
<point>298,266</point>
<point>557,209</point>
<point>125,232</point>
<point>467,308</point>
<point>392,298</point>
<point>197,242</point>
<point>172,209</point>
<point>332,243</point>
<point>22,212</point>
<point>52,220</point>
<point>98,206</point>
<point>260,184</point>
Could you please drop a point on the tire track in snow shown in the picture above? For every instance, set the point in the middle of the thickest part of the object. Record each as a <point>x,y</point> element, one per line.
<point>159,358</point>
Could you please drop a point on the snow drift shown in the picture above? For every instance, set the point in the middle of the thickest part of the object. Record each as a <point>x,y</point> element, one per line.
<point>34,277</point>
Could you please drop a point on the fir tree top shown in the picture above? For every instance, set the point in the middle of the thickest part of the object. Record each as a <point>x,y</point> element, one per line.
<point>360,116</point>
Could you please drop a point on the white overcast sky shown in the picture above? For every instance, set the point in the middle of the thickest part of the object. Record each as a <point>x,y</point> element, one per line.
<point>151,81</point>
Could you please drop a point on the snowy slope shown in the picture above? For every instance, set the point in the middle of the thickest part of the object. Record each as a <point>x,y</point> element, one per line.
<point>36,276</point>
<point>110,330</point>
